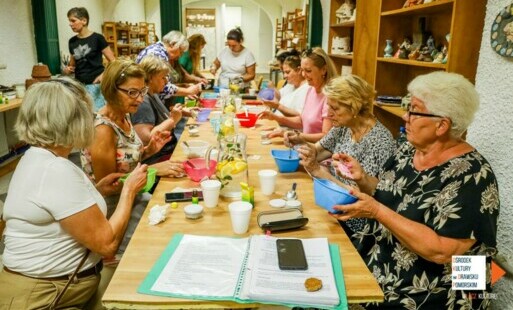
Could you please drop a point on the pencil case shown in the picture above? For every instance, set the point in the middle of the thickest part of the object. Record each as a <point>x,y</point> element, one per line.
<point>286,219</point>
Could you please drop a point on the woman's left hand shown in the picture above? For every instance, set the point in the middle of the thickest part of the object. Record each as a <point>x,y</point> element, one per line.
<point>366,207</point>
<point>157,140</point>
<point>267,115</point>
<point>308,157</point>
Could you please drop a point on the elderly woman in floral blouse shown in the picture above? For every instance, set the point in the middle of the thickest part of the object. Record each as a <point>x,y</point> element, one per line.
<point>435,198</point>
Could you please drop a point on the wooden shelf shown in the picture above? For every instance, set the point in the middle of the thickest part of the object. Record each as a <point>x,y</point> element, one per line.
<point>350,23</point>
<point>395,110</point>
<point>348,57</point>
<point>13,104</point>
<point>416,63</point>
<point>428,8</point>
<point>295,24</point>
<point>115,32</point>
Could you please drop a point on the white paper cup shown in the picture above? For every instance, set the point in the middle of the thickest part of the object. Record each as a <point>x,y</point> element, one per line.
<point>252,92</point>
<point>210,189</point>
<point>240,213</point>
<point>267,181</point>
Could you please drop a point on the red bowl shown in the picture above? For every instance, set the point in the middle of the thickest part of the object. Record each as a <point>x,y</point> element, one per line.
<point>198,169</point>
<point>208,103</point>
<point>247,121</point>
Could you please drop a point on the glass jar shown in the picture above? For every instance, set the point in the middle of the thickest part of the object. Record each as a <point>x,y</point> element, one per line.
<point>232,165</point>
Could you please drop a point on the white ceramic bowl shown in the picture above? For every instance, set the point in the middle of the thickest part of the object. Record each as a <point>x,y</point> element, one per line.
<point>193,211</point>
<point>196,148</point>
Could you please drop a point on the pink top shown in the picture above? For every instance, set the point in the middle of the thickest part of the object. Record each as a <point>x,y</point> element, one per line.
<point>314,112</point>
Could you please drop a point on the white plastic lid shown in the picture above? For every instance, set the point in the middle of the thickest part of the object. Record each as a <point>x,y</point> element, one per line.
<point>193,209</point>
<point>277,203</point>
<point>293,204</point>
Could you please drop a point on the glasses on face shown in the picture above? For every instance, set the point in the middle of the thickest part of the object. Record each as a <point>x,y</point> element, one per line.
<point>420,114</point>
<point>134,93</point>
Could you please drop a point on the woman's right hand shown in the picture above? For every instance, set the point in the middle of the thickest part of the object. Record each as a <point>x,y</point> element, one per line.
<point>194,90</point>
<point>356,171</point>
<point>176,113</point>
<point>267,115</point>
<point>292,137</point>
<point>273,104</point>
<point>170,168</point>
<point>308,157</point>
<point>137,178</point>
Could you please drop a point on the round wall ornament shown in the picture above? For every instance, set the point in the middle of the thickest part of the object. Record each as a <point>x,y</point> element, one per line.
<point>501,38</point>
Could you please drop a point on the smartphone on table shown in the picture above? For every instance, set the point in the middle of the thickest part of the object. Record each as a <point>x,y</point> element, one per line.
<point>291,254</point>
<point>181,196</point>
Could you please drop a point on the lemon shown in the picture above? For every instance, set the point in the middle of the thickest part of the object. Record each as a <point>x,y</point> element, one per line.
<point>226,170</point>
<point>239,166</point>
<point>229,109</point>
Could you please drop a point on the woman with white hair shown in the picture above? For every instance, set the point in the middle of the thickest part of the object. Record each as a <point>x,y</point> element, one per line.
<point>437,197</point>
<point>173,44</point>
<point>55,215</point>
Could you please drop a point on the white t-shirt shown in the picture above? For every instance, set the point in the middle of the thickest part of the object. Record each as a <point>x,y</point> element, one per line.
<point>43,190</point>
<point>234,65</point>
<point>294,99</point>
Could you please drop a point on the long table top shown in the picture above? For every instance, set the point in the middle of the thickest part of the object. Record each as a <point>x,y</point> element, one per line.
<point>148,242</point>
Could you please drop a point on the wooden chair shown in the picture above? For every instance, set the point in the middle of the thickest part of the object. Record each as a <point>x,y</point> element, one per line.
<point>280,84</point>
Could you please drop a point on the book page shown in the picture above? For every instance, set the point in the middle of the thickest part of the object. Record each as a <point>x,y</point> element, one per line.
<point>203,266</point>
<point>264,281</point>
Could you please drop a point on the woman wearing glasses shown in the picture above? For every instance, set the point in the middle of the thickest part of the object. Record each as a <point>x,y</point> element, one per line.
<point>355,132</point>
<point>116,146</point>
<point>54,214</point>
<point>435,198</point>
<point>235,60</point>
<point>317,69</point>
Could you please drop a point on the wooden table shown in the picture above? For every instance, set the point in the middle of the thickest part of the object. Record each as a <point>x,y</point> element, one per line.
<point>148,242</point>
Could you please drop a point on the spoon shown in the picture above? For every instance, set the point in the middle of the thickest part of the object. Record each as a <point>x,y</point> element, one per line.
<point>190,164</point>
<point>186,144</point>
<point>291,194</point>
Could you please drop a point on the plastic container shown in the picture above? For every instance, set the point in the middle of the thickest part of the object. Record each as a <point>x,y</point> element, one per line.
<point>247,120</point>
<point>208,102</point>
<point>286,160</point>
<point>203,115</point>
<point>196,148</point>
<point>190,103</point>
<point>150,179</point>
<point>193,211</point>
<point>402,136</point>
<point>210,96</point>
<point>328,194</point>
<point>266,94</point>
<point>198,170</point>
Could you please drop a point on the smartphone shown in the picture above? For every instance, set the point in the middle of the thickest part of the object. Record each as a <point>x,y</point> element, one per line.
<point>291,254</point>
<point>181,196</point>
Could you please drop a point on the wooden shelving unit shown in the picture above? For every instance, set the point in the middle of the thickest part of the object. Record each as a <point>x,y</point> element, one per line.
<point>127,39</point>
<point>292,30</point>
<point>455,17</point>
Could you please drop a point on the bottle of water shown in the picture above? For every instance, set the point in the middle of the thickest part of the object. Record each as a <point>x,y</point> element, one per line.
<point>402,136</point>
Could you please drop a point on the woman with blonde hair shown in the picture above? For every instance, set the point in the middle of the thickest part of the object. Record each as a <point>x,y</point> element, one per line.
<point>356,132</point>
<point>317,69</point>
<point>56,217</point>
<point>190,60</point>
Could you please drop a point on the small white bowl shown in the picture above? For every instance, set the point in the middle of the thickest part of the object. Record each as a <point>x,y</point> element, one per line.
<point>193,211</point>
<point>196,148</point>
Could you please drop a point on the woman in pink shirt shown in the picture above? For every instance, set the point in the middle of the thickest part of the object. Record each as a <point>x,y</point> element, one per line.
<point>317,69</point>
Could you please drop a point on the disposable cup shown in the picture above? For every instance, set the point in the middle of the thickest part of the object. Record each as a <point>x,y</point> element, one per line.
<point>252,92</point>
<point>240,214</point>
<point>263,137</point>
<point>203,115</point>
<point>267,181</point>
<point>210,189</point>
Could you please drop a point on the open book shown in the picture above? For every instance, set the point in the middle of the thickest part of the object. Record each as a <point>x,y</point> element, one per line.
<point>245,270</point>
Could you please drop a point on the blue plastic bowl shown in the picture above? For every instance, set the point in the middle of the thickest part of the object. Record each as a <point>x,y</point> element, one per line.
<point>328,194</point>
<point>284,163</point>
<point>266,94</point>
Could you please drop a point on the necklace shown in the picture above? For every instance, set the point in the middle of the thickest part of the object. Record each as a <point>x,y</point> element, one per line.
<point>356,138</point>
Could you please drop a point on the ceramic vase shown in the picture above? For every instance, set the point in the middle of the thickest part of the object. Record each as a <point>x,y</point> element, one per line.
<point>388,49</point>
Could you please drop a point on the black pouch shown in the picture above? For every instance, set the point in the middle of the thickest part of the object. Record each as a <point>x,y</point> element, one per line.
<point>276,220</point>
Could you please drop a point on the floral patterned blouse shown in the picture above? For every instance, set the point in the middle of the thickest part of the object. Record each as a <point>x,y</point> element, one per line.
<point>457,199</point>
<point>129,148</point>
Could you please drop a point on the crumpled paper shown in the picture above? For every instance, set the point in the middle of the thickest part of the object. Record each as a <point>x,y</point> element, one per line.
<point>158,214</point>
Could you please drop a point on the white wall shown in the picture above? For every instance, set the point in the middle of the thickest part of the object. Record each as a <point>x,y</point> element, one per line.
<point>18,49</point>
<point>491,133</point>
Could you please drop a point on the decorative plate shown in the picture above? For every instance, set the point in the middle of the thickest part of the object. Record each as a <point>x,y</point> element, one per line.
<point>502,32</point>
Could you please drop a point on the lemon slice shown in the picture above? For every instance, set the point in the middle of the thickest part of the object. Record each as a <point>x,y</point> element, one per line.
<point>225,170</point>
<point>229,108</point>
<point>239,166</point>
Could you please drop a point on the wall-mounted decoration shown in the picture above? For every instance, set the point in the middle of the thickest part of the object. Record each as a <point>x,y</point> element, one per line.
<point>502,32</point>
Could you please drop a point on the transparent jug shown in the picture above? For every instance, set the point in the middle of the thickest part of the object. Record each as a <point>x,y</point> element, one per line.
<point>232,165</point>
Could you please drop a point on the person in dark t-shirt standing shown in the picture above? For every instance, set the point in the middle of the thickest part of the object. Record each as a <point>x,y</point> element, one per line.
<point>86,50</point>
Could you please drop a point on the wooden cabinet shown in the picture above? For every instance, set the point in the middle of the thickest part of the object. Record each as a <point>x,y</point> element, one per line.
<point>126,39</point>
<point>292,30</point>
<point>459,20</point>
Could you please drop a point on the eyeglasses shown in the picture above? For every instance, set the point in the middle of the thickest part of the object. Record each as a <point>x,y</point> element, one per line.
<point>134,93</point>
<point>420,114</point>
<point>307,52</point>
